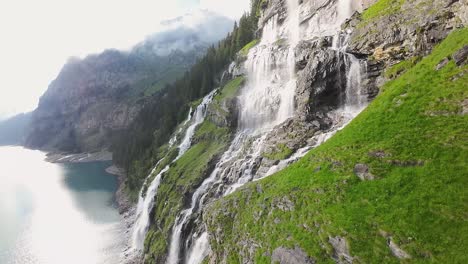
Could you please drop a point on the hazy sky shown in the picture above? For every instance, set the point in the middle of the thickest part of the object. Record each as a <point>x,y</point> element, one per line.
<point>37,37</point>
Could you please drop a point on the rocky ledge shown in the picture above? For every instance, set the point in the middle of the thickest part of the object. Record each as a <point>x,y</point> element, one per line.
<point>79,157</point>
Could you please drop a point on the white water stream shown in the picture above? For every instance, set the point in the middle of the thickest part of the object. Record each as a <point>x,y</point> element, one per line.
<point>266,101</point>
<point>146,202</point>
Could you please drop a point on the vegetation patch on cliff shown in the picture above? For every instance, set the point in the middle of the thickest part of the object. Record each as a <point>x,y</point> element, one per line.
<point>180,181</point>
<point>245,50</point>
<point>414,205</point>
<point>401,67</point>
<point>382,8</point>
<point>231,89</point>
<point>280,153</point>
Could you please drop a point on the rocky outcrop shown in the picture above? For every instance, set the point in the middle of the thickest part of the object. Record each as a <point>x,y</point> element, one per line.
<point>283,255</point>
<point>460,57</point>
<point>341,253</point>
<point>362,171</point>
<point>396,250</point>
<point>405,31</point>
<point>321,79</point>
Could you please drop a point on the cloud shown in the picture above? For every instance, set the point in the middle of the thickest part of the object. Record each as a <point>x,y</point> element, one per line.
<point>230,8</point>
<point>188,32</point>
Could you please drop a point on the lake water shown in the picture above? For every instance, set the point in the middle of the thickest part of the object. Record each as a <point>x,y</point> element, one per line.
<point>56,213</point>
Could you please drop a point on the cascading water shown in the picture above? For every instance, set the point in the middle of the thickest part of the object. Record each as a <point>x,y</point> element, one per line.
<point>145,203</point>
<point>266,101</point>
<point>355,101</point>
<point>173,140</point>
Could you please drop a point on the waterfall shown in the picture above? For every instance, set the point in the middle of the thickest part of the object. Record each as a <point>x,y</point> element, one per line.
<point>173,140</point>
<point>143,211</point>
<point>146,203</point>
<point>199,250</point>
<point>183,217</point>
<point>268,98</point>
<point>266,101</point>
<point>354,101</point>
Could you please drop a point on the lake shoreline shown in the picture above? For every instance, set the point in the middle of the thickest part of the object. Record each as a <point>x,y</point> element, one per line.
<point>57,201</point>
<point>123,202</point>
<point>125,207</point>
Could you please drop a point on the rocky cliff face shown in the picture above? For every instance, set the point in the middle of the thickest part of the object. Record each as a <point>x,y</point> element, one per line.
<point>97,96</point>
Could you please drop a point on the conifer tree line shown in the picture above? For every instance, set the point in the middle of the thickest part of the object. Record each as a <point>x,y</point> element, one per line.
<point>135,148</point>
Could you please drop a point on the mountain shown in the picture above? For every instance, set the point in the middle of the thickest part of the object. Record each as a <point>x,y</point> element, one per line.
<point>13,131</point>
<point>336,134</point>
<point>93,99</point>
<point>326,131</point>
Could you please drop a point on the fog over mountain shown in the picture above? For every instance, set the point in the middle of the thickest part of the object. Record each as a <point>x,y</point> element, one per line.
<point>187,32</point>
<point>59,31</point>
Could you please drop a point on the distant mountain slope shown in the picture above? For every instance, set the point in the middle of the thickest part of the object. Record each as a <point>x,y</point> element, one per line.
<point>95,97</point>
<point>13,130</point>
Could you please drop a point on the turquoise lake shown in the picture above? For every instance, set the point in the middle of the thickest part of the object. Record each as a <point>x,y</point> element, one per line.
<point>57,213</point>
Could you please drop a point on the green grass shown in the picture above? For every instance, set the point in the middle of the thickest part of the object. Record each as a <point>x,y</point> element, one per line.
<point>282,152</point>
<point>419,196</point>
<point>401,67</point>
<point>245,50</point>
<point>382,8</point>
<point>231,89</point>
<point>226,95</point>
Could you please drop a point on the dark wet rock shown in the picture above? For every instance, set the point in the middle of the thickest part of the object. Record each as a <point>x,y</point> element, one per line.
<point>321,83</point>
<point>362,171</point>
<point>460,57</point>
<point>283,255</point>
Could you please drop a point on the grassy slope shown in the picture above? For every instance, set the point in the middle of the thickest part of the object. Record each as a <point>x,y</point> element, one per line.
<point>381,8</point>
<point>245,50</point>
<point>420,194</point>
<point>282,152</point>
<point>185,174</point>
